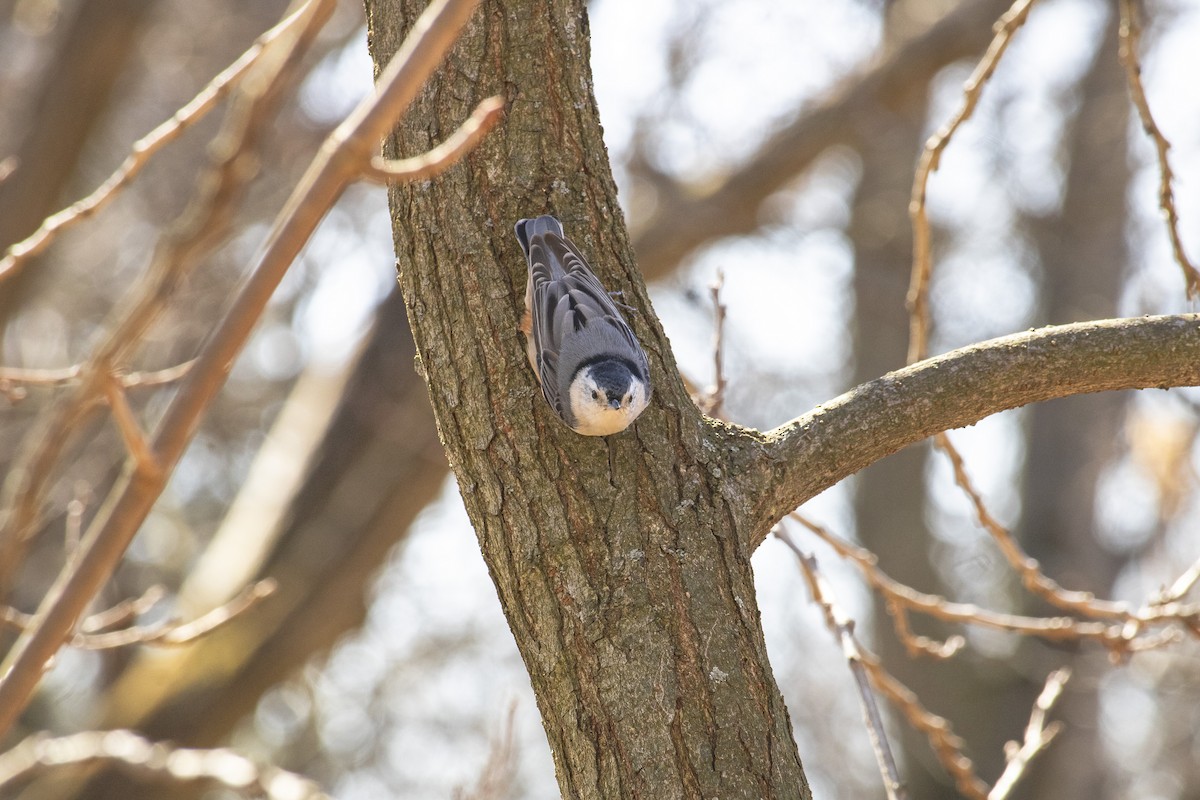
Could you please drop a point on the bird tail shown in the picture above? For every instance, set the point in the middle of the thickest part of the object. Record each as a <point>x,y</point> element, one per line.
<point>527,229</point>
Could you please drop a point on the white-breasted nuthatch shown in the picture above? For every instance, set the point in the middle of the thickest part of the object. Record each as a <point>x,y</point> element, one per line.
<point>592,370</point>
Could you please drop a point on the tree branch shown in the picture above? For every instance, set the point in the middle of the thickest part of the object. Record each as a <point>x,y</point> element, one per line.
<point>342,160</point>
<point>1127,53</point>
<point>143,149</point>
<point>223,767</point>
<point>843,628</point>
<point>427,165</point>
<point>1038,736</point>
<point>918,292</point>
<point>802,458</point>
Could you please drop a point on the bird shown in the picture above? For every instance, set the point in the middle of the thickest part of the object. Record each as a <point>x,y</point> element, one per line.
<point>591,367</point>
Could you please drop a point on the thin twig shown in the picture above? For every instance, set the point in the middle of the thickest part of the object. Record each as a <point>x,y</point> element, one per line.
<point>131,432</point>
<point>166,633</point>
<point>143,150</point>
<point>1182,585</point>
<point>843,628</point>
<point>1028,568</point>
<point>173,633</point>
<point>124,611</point>
<point>1127,53</point>
<point>446,154</point>
<point>948,746</point>
<point>715,397</point>
<point>1117,637</point>
<point>496,777</point>
<point>10,376</point>
<point>222,766</point>
<point>121,612</point>
<point>341,160</point>
<point>922,269</point>
<point>1038,736</point>
<point>200,227</point>
<point>916,644</point>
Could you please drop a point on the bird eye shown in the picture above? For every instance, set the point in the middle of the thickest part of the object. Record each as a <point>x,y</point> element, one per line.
<point>595,395</point>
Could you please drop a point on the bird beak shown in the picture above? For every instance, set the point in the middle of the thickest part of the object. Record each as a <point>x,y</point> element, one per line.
<point>615,403</point>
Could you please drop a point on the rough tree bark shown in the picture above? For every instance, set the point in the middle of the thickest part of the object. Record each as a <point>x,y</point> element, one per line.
<point>618,562</point>
<point>622,564</point>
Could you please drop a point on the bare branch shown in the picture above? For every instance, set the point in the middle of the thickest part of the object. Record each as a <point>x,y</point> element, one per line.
<point>714,398</point>
<point>11,376</point>
<point>131,432</point>
<point>204,222</point>
<point>1037,736</point>
<point>177,633</point>
<point>446,154</point>
<point>918,290</point>
<point>1121,637</point>
<point>167,633</point>
<point>197,230</point>
<point>143,150</point>
<point>816,450</point>
<point>947,745</point>
<point>341,160</point>
<point>1028,568</point>
<point>843,628</point>
<point>123,611</point>
<point>222,766</point>
<point>1130,33</point>
<point>495,779</point>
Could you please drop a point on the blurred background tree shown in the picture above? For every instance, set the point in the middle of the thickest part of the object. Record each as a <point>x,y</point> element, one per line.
<point>775,142</point>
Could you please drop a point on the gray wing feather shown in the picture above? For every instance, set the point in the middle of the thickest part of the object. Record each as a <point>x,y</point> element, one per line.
<point>567,298</point>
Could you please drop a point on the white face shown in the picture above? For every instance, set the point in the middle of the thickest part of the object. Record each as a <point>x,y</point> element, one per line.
<point>593,410</point>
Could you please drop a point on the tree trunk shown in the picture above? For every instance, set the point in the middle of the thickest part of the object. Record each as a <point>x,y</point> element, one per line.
<point>619,562</point>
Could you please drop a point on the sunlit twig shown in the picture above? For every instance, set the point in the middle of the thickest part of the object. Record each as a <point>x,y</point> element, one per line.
<point>843,628</point>
<point>1182,585</point>
<point>1038,736</point>
<point>92,636</point>
<point>1129,34</point>
<point>496,777</point>
<point>143,150</point>
<point>14,381</point>
<point>123,611</point>
<point>446,154</point>
<point>176,633</point>
<point>131,431</point>
<point>914,643</point>
<point>714,399</point>
<point>342,159</point>
<point>126,749</point>
<point>922,269</point>
<point>1119,637</point>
